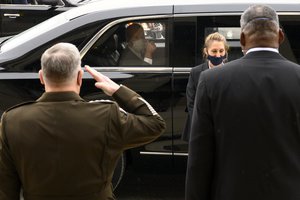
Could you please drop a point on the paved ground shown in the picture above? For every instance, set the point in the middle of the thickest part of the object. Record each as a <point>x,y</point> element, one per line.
<point>151,186</point>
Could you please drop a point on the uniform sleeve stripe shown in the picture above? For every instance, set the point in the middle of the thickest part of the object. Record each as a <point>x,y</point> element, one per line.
<point>149,106</point>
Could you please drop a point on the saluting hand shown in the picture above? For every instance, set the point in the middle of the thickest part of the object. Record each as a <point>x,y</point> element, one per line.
<point>104,83</point>
<point>150,48</point>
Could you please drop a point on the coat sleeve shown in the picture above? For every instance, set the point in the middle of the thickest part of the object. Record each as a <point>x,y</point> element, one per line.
<point>190,96</point>
<point>201,148</point>
<point>9,180</point>
<point>190,93</point>
<point>137,124</point>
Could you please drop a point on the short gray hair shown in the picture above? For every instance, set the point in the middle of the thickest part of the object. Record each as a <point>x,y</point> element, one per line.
<point>259,12</point>
<point>61,62</point>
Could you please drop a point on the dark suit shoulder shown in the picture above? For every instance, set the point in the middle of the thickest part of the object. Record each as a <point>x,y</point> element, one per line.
<point>199,68</point>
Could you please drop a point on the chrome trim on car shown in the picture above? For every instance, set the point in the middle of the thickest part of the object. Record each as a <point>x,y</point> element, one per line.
<point>156,153</point>
<point>135,69</point>
<point>163,153</point>
<point>288,13</point>
<point>11,15</point>
<point>207,14</point>
<point>18,75</point>
<point>90,43</point>
<point>182,70</point>
<point>180,154</point>
<point>227,14</point>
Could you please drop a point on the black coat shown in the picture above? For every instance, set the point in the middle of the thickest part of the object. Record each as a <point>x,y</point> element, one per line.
<point>190,97</point>
<point>245,134</point>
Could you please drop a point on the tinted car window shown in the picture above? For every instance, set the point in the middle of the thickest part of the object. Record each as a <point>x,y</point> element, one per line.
<point>290,48</point>
<point>227,25</point>
<point>30,62</point>
<point>184,34</point>
<point>108,50</point>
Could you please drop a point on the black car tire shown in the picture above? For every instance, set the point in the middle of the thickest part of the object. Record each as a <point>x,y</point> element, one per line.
<point>119,171</point>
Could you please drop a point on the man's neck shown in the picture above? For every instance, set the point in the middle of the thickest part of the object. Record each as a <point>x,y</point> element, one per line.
<point>62,89</point>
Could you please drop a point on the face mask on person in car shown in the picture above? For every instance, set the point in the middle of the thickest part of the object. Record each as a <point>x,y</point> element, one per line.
<point>216,60</point>
<point>139,46</point>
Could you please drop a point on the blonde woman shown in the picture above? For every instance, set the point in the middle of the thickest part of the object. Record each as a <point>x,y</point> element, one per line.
<point>215,52</point>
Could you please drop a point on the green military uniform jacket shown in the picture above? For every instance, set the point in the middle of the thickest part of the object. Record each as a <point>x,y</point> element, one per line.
<point>64,148</point>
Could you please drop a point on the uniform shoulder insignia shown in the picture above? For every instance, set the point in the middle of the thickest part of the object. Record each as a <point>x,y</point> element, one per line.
<point>20,104</point>
<point>122,110</point>
<point>108,101</point>
<point>149,106</point>
<point>101,101</point>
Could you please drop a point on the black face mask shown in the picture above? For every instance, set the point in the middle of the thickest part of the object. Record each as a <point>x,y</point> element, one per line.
<point>216,60</point>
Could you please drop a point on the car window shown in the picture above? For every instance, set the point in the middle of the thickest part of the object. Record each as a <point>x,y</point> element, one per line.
<point>290,46</point>
<point>37,31</point>
<point>34,2</point>
<point>226,25</point>
<point>184,37</point>
<point>31,61</point>
<point>189,34</point>
<point>232,35</point>
<point>113,48</point>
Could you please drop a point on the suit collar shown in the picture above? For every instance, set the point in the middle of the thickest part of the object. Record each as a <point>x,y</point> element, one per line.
<point>59,96</point>
<point>205,65</point>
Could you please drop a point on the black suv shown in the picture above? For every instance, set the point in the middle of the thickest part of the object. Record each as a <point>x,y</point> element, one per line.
<point>17,17</point>
<point>97,29</point>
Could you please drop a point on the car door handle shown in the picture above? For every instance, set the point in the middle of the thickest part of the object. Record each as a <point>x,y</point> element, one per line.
<point>11,15</point>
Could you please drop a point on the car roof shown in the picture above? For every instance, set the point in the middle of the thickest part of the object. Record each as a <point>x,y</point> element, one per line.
<point>183,6</point>
<point>190,6</point>
<point>108,9</point>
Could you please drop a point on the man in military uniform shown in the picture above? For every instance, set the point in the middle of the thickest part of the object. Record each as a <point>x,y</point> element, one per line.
<point>62,147</point>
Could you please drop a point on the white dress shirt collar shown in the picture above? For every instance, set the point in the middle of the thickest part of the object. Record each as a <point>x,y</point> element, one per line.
<point>262,49</point>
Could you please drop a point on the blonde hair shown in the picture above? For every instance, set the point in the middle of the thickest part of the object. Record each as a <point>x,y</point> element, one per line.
<point>214,37</point>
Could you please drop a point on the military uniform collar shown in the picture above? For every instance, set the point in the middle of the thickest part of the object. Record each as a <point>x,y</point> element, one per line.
<point>60,96</point>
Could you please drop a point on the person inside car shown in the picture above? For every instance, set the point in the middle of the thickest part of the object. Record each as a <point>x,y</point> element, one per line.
<point>138,51</point>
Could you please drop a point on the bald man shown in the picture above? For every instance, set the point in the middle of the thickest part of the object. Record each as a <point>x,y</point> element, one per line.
<point>245,134</point>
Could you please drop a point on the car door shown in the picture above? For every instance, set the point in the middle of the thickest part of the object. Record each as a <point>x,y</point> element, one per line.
<point>19,17</point>
<point>152,82</point>
<point>189,35</point>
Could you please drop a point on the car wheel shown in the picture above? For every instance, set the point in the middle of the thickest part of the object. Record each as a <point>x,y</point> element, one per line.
<point>119,171</point>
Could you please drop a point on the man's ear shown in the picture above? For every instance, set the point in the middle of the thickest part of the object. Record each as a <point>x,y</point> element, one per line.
<point>79,77</point>
<point>41,77</point>
<point>281,36</point>
<point>242,39</point>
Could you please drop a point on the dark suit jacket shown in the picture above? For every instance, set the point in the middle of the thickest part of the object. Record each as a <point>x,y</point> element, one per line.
<point>128,58</point>
<point>62,147</point>
<point>190,97</point>
<point>245,137</point>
